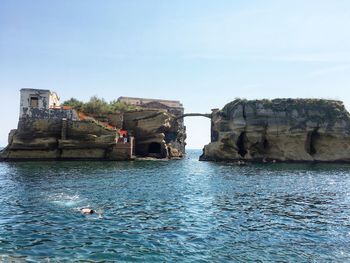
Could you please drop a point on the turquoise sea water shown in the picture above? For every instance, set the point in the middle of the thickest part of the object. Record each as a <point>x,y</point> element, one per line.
<point>174,211</point>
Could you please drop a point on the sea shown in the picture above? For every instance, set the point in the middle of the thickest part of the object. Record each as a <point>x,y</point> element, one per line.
<point>174,211</point>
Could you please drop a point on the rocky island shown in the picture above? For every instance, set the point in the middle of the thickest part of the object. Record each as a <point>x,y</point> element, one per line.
<point>48,130</point>
<point>284,130</point>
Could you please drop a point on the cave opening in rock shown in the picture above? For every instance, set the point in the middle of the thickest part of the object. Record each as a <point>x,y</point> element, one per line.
<point>312,137</point>
<point>241,144</point>
<point>265,144</point>
<point>154,148</point>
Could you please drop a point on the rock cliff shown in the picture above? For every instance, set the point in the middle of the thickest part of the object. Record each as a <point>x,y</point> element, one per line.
<point>50,135</point>
<point>287,130</point>
<point>55,137</point>
<point>95,130</point>
<point>157,133</point>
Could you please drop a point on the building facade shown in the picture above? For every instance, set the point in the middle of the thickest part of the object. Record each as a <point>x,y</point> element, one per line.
<point>172,106</point>
<point>37,99</point>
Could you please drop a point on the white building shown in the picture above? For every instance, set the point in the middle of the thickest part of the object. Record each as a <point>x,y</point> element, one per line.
<point>38,99</point>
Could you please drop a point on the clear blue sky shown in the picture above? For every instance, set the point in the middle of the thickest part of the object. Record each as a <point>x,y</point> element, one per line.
<point>204,53</point>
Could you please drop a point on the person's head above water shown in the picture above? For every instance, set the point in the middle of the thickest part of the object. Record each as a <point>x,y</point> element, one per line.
<point>87,211</point>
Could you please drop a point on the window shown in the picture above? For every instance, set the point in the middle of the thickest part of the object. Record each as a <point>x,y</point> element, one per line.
<point>34,102</point>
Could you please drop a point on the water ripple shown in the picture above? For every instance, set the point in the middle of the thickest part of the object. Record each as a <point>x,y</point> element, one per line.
<point>185,211</point>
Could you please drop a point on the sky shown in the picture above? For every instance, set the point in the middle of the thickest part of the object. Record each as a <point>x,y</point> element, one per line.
<point>203,53</point>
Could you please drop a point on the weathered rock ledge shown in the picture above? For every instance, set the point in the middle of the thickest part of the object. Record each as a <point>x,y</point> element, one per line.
<point>284,130</point>
<point>47,139</point>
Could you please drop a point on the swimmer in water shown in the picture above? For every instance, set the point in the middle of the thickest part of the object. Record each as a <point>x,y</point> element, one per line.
<point>87,211</point>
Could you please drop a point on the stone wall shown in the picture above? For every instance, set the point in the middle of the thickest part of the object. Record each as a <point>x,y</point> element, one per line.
<point>37,113</point>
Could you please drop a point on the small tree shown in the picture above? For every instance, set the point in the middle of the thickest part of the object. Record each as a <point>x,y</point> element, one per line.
<point>74,103</point>
<point>96,106</point>
<point>120,106</point>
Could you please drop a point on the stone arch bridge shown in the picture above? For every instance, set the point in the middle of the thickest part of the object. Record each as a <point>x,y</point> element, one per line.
<point>207,115</point>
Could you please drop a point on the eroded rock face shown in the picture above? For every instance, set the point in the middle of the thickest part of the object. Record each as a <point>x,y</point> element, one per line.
<point>43,138</point>
<point>157,133</point>
<point>299,130</point>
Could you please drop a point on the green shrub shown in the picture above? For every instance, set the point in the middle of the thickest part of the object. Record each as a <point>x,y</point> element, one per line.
<point>121,106</point>
<point>99,106</point>
<point>74,103</point>
<point>96,106</point>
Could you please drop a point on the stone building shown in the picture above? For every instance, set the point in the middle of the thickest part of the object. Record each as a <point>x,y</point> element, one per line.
<point>37,99</point>
<point>172,106</point>
<point>43,104</point>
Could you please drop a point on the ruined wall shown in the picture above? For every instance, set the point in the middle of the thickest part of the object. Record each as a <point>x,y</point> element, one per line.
<point>35,122</point>
<point>43,97</point>
<point>44,100</point>
<point>287,130</point>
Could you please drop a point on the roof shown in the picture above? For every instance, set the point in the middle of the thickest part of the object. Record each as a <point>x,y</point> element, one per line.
<point>41,90</point>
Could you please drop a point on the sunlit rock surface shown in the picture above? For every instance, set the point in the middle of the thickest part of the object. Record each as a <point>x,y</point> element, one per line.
<point>40,138</point>
<point>288,130</point>
<point>157,133</point>
<point>48,131</point>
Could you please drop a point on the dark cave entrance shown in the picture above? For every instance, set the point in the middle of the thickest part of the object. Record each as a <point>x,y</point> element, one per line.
<point>241,144</point>
<point>265,144</point>
<point>154,148</point>
<point>311,140</point>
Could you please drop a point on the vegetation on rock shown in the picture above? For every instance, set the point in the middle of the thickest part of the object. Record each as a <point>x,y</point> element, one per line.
<point>98,106</point>
<point>324,109</point>
<point>74,103</point>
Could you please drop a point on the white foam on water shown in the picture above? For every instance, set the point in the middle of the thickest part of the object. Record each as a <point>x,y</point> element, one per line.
<point>63,199</point>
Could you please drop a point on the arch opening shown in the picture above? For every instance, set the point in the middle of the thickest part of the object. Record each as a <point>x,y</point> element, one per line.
<point>265,144</point>
<point>199,132</point>
<point>154,149</point>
